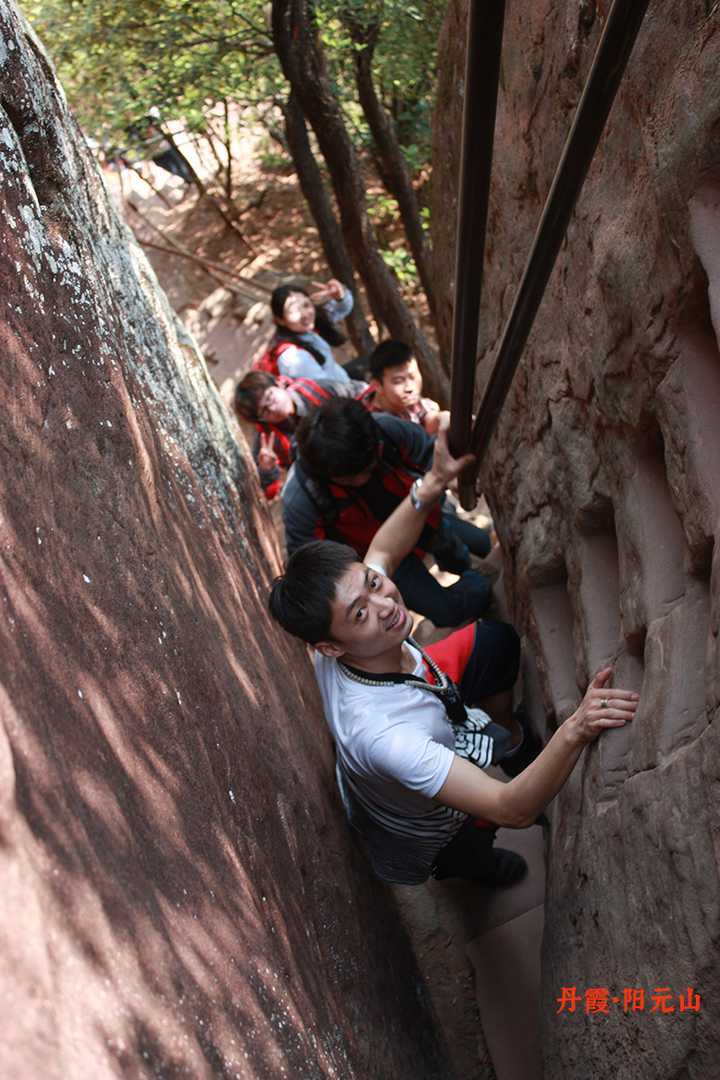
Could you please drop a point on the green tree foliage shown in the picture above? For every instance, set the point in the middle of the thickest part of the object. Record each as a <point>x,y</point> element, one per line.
<point>118,58</point>
<point>404,64</point>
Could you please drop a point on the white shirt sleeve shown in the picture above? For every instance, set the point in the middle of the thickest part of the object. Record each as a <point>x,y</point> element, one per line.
<point>298,363</point>
<point>412,758</point>
<point>340,309</point>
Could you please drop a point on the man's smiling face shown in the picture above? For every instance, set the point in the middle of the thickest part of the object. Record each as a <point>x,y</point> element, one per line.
<point>368,614</point>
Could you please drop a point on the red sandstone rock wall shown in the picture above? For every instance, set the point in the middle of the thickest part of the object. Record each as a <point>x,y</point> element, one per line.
<point>179,895</point>
<point>604,479</point>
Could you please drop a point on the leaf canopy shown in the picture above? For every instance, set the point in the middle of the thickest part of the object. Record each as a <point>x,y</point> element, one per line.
<point>119,58</point>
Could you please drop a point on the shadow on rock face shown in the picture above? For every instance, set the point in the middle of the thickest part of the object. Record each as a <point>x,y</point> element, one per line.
<point>182,897</point>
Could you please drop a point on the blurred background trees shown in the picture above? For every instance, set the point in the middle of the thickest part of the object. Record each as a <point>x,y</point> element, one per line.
<point>130,68</point>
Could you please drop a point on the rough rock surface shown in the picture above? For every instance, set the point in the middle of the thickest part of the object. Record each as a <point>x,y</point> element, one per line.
<point>604,481</point>
<point>179,894</point>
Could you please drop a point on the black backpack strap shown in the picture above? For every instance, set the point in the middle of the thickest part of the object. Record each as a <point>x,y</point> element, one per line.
<point>327,507</point>
<point>391,451</point>
<point>284,336</point>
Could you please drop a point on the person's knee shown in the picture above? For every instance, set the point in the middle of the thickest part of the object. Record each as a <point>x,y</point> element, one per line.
<point>474,593</point>
<point>467,599</point>
<point>500,643</point>
<point>476,539</point>
<point>435,608</point>
<point>452,555</point>
<point>508,644</point>
<point>484,542</point>
<point>452,605</point>
<point>434,604</point>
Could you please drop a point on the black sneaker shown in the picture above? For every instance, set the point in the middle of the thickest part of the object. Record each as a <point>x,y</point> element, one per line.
<point>508,869</point>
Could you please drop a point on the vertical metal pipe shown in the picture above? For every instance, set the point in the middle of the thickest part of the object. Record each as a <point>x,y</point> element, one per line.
<point>612,54</point>
<point>482,72</point>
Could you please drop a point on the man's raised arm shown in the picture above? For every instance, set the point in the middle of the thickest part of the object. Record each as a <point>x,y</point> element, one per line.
<point>398,535</point>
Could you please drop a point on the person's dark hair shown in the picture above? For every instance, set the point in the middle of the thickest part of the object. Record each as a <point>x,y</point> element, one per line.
<point>388,354</point>
<point>301,599</point>
<point>339,439</point>
<point>280,295</point>
<point>324,326</point>
<point>249,392</point>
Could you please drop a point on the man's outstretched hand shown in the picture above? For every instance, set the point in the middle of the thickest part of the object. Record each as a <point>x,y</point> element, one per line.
<point>399,533</point>
<point>445,468</point>
<point>601,708</point>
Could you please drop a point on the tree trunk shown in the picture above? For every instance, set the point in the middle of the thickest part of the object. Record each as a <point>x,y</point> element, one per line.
<point>303,65</point>
<point>391,161</point>
<point>204,193</point>
<point>227,139</point>
<point>331,238</point>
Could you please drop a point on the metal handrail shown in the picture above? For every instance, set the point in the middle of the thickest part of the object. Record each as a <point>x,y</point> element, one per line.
<point>482,74</point>
<point>621,30</point>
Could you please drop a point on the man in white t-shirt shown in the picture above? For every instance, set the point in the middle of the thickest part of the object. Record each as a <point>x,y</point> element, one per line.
<point>408,748</point>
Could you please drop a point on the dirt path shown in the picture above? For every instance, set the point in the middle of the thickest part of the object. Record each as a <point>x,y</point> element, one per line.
<point>227,315</point>
<point>275,239</point>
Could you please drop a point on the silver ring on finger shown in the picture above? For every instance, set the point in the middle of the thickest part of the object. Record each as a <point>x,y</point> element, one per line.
<point>604,703</point>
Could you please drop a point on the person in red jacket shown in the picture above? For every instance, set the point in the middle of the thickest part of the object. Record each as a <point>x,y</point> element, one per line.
<point>276,404</point>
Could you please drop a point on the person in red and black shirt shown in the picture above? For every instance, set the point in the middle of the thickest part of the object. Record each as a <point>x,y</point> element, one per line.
<point>276,404</point>
<point>397,385</point>
<point>353,469</point>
